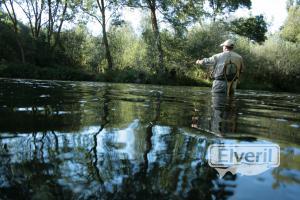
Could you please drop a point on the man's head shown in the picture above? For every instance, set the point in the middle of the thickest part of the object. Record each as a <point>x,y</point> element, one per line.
<point>228,45</point>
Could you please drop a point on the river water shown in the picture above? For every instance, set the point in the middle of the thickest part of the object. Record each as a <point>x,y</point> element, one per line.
<point>83,140</point>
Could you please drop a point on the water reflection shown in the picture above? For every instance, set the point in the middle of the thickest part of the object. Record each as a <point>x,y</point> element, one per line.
<point>219,118</point>
<point>66,140</point>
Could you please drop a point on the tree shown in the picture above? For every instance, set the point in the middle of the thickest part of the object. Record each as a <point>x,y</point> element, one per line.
<point>10,10</point>
<point>176,12</point>
<point>253,28</point>
<point>55,18</point>
<point>50,14</point>
<point>127,49</point>
<point>59,12</point>
<point>98,9</point>
<point>152,6</point>
<point>33,11</point>
<point>9,49</point>
<point>180,14</point>
<point>291,27</point>
<point>221,7</point>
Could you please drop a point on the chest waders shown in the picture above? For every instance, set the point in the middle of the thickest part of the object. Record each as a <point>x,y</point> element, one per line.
<point>231,73</point>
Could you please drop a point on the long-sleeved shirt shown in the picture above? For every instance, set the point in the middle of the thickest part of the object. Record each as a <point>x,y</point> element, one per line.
<point>219,60</point>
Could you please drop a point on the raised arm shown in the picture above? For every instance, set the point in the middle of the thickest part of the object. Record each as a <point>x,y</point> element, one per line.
<point>207,61</point>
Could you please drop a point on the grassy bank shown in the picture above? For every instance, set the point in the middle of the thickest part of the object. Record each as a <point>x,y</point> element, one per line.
<point>128,75</point>
<point>133,76</point>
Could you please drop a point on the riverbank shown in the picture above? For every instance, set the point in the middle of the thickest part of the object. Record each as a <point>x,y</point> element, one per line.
<point>130,75</point>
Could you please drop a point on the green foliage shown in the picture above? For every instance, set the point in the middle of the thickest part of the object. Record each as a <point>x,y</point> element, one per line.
<point>127,48</point>
<point>74,43</point>
<point>274,65</point>
<point>180,14</point>
<point>221,7</point>
<point>138,75</point>
<point>149,41</point>
<point>291,28</point>
<point>8,44</point>
<point>270,64</point>
<point>254,28</point>
<point>205,40</point>
<point>229,5</point>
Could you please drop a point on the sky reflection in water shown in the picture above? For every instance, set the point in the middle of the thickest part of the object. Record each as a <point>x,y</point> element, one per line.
<point>63,140</point>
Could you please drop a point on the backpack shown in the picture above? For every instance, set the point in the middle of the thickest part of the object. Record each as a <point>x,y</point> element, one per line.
<point>230,71</point>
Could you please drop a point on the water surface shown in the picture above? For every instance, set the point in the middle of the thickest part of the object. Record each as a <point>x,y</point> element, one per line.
<point>82,140</point>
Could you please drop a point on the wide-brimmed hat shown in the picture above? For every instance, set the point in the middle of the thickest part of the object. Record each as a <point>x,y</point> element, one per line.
<point>227,43</point>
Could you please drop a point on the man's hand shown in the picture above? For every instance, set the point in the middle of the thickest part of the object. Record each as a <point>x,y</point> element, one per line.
<point>199,62</point>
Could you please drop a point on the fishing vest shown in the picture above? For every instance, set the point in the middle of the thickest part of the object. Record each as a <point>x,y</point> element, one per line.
<point>225,69</point>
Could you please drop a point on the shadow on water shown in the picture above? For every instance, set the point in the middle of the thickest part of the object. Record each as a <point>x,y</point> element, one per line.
<point>76,140</point>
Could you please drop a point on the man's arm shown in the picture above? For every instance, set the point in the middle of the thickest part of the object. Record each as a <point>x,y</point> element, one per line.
<point>207,61</point>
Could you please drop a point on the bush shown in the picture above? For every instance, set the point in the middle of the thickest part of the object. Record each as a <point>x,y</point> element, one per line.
<point>275,64</point>
<point>16,70</point>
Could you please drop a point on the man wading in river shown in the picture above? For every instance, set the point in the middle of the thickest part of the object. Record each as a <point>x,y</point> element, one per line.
<point>227,67</point>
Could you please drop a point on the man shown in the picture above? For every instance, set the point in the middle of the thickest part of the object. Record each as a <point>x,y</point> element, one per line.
<point>219,61</point>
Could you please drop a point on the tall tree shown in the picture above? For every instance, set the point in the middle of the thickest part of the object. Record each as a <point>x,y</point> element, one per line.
<point>175,12</point>
<point>59,12</point>
<point>49,14</point>
<point>33,9</point>
<point>9,8</point>
<point>56,17</point>
<point>98,9</point>
<point>152,6</point>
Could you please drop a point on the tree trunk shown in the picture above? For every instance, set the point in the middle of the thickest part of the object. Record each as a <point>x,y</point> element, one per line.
<point>57,38</point>
<point>104,35</point>
<point>157,35</point>
<point>50,23</point>
<point>107,50</point>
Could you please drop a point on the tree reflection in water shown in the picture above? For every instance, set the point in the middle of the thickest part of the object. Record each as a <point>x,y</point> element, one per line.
<point>86,141</point>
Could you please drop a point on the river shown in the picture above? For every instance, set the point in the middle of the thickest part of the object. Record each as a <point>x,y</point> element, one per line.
<point>85,140</point>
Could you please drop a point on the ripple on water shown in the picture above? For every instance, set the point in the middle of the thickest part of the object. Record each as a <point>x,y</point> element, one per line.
<point>281,120</point>
<point>295,125</point>
<point>30,109</point>
<point>95,150</point>
<point>44,96</point>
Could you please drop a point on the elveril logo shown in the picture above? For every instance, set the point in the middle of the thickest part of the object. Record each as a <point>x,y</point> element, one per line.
<point>246,159</point>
